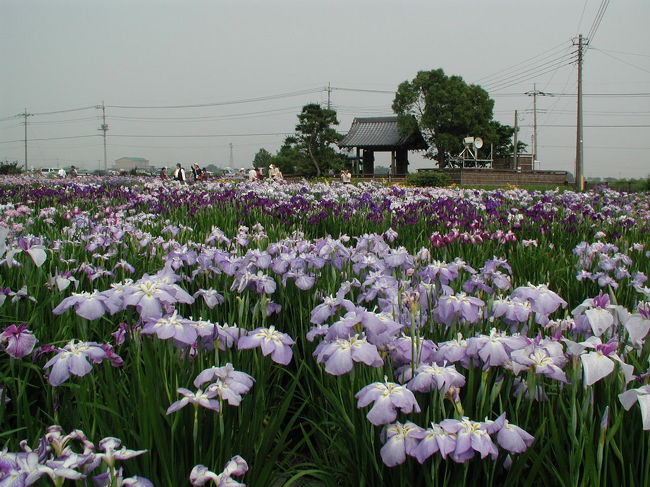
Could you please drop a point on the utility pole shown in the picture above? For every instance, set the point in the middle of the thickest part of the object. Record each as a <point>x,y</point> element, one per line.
<point>515,142</point>
<point>579,148</point>
<point>104,129</point>
<point>329,93</point>
<point>231,158</point>
<point>25,115</point>
<point>535,93</point>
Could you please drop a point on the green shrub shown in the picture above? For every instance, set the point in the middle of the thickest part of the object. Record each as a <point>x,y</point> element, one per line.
<point>428,178</point>
<point>7,167</point>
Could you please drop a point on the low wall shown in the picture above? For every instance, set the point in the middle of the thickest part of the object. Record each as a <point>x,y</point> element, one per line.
<point>502,177</point>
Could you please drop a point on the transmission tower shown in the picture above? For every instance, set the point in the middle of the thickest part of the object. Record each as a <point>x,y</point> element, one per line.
<point>25,115</point>
<point>104,128</point>
<point>535,93</point>
<point>582,43</point>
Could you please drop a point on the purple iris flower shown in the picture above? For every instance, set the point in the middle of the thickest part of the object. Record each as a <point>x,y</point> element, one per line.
<point>302,280</point>
<point>228,383</point>
<point>198,398</point>
<point>105,479</point>
<point>236,466</point>
<point>113,450</point>
<point>430,377</point>
<point>339,356</point>
<point>541,360</point>
<point>494,349</point>
<point>87,305</point>
<point>271,341</point>
<point>171,326</point>
<point>74,359</point>
<point>387,398</point>
<point>638,324</point>
<point>601,362</point>
<point>260,282</point>
<point>226,336</point>
<point>150,294</point>
<point>471,437</point>
<point>433,440</point>
<point>439,272</point>
<point>594,315</point>
<point>543,300</point>
<point>19,340</point>
<point>459,306</point>
<point>453,351</point>
<point>642,396</point>
<point>31,248</point>
<point>511,310</point>
<point>210,296</point>
<point>514,439</point>
<point>400,440</point>
<point>401,350</point>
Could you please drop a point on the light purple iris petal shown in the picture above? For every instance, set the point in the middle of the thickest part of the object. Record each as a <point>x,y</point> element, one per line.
<point>20,341</point>
<point>596,366</point>
<point>513,438</point>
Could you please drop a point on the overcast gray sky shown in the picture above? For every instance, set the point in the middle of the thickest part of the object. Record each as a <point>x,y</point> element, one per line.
<point>273,57</point>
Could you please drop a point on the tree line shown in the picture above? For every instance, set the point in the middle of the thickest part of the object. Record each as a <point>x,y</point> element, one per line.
<point>444,108</point>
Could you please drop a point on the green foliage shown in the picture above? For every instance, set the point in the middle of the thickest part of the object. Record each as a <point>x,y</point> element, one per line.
<point>7,167</point>
<point>446,109</point>
<point>314,139</point>
<point>289,158</point>
<point>428,178</point>
<point>262,159</point>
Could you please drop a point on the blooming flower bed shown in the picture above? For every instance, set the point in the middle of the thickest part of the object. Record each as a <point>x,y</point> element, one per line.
<point>349,335</point>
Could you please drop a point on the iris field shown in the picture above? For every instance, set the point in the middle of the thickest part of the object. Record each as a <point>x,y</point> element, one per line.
<point>276,334</point>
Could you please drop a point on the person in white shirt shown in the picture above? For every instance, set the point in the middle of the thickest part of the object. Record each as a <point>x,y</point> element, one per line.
<point>179,173</point>
<point>346,176</point>
<point>275,173</point>
<point>252,174</point>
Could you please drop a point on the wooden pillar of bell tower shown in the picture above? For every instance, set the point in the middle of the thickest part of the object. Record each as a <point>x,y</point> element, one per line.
<point>368,162</point>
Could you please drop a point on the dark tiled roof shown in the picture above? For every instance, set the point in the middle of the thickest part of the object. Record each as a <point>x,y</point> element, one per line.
<point>380,133</point>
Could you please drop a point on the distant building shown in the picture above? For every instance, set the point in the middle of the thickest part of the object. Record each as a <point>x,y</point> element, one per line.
<point>129,163</point>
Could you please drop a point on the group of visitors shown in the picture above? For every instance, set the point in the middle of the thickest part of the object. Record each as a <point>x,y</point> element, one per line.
<point>198,174</point>
<point>62,174</point>
<point>255,173</point>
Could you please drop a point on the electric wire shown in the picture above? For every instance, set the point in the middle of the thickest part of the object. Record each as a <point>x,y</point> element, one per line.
<point>498,74</point>
<point>531,72</point>
<point>621,60</point>
<point>599,18</point>
<point>222,103</point>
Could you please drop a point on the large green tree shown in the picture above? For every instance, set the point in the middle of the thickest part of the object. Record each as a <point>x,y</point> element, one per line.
<point>262,159</point>
<point>315,138</point>
<point>446,110</point>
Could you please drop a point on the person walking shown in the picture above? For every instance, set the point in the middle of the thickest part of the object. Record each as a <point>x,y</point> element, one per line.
<point>179,173</point>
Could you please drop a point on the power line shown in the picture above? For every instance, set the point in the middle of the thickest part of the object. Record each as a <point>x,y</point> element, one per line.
<point>187,136</point>
<point>523,78</point>
<point>207,118</point>
<point>64,111</point>
<point>599,18</point>
<point>584,7</point>
<point>359,90</point>
<point>48,138</point>
<point>621,60</point>
<point>501,72</point>
<point>624,52</point>
<point>221,103</point>
<point>596,126</point>
<point>533,71</point>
